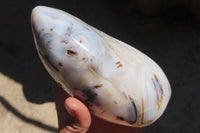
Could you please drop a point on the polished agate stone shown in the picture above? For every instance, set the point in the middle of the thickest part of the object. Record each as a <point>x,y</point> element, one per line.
<point>117,82</point>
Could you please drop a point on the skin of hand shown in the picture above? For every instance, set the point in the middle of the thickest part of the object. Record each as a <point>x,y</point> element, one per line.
<point>74,117</point>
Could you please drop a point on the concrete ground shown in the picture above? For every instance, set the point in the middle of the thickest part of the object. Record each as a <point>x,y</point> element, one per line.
<point>171,38</point>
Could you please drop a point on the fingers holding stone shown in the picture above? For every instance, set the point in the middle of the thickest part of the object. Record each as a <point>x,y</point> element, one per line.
<point>80,119</point>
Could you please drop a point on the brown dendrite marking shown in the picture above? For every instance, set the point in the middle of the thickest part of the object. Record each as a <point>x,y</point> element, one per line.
<point>119,64</point>
<point>71,53</point>
<point>87,28</point>
<point>60,64</point>
<point>115,102</point>
<point>155,77</point>
<point>98,86</point>
<point>86,95</point>
<point>83,58</point>
<point>63,41</point>
<point>89,94</point>
<point>159,90</point>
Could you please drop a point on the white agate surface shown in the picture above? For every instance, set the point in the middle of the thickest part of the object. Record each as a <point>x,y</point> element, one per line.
<point>117,82</point>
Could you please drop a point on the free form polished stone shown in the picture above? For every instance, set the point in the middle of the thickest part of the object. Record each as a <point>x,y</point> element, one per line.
<point>117,82</point>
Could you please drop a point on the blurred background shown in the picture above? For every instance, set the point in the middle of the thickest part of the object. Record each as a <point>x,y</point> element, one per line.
<point>168,31</point>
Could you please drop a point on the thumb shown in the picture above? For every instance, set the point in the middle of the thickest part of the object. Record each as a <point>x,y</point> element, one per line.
<point>81,115</point>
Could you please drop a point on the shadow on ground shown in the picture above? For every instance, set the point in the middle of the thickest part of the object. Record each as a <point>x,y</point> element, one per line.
<point>9,107</point>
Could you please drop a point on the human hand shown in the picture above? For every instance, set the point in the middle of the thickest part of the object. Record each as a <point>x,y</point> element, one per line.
<point>74,117</point>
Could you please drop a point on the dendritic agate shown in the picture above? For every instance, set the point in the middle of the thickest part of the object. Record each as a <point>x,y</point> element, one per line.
<point>117,82</point>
